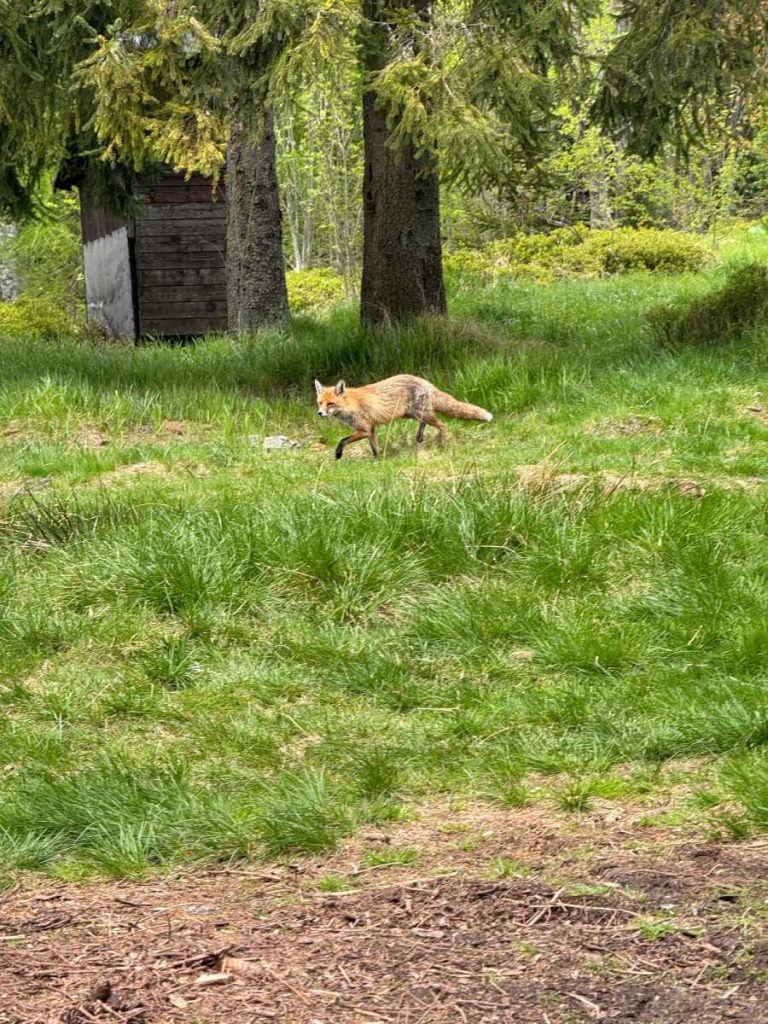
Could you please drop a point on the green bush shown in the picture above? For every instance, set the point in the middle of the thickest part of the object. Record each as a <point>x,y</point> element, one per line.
<point>47,254</point>
<point>667,251</point>
<point>579,252</point>
<point>738,304</point>
<point>314,289</point>
<point>465,261</point>
<point>560,253</point>
<point>35,317</point>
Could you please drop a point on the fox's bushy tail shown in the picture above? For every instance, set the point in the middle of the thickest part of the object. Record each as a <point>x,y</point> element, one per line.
<point>443,402</point>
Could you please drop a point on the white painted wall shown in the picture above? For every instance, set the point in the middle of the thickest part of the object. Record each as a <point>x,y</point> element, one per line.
<point>9,284</point>
<point>108,292</point>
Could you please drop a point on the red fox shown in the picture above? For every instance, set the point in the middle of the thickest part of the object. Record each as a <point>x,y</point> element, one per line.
<point>401,397</point>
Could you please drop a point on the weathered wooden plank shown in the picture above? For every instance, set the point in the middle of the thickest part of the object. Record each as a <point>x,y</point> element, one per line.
<point>182,261</point>
<point>179,244</point>
<point>182,293</point>
<point>204,238</point>
<point>185,327</point>
<point>174,178</point>
<point>157,228</point>
<point>179,194</point>
<point>191,211</point>
<point>170,310</point>
<point>192,277</point>
<point>182,228</point>
<point>95,223</point>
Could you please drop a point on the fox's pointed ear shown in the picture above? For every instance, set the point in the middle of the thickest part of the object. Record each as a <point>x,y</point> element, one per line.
<point>340,388</point>
<point>318,387</point>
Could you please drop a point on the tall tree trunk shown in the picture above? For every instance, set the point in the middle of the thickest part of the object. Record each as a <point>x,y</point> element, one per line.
<point>402,255</point>
<point>256,292</point>
<point>600,213</point>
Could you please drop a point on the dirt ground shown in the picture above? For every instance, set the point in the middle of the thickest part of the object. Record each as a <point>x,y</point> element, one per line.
<point>526,915</point>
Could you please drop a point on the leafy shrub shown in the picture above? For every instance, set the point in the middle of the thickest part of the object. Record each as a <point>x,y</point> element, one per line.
<point>314,289</point>
<point>561,253</point>
<point>579,252</point>
<point>47,257</point>
<point>47,254</point>
<point>35,318</point>
<point>667,251</point>
<point>465,261</point>
<point>739,303</point>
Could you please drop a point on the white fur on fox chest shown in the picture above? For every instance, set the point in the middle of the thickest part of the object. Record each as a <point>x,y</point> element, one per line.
<point>349,418</point>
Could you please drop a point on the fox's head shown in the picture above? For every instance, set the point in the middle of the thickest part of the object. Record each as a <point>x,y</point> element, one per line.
<point>330,401</point>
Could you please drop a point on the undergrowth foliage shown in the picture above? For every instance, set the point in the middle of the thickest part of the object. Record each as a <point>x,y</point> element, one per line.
<point>32,316</point>
<point>214,652</point>
<point>579,252</point>
<point>739,304</point>
<point>316,288</point>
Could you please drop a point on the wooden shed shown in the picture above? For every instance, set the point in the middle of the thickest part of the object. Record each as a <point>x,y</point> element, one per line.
<point>162,273</point>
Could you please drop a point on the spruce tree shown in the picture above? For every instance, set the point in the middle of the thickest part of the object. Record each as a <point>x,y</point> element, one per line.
<point>121,88</point>
<point>457,89</point>
<point>221,104</point>
<point>402,258</point>
<point>677,64</point>
<point>451,88</point>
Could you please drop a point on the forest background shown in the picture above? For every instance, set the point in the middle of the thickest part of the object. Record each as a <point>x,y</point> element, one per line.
<point>584,177</point>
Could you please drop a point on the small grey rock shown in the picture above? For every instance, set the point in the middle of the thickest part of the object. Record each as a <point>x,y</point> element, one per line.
<point>278,441</point>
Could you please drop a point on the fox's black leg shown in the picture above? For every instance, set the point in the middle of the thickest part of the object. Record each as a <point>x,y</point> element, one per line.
<point>430,421</point>
<point>374,444</point>
<point>357,436</point>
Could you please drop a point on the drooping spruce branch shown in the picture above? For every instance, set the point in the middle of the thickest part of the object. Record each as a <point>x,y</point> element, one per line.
<point>676,64</point>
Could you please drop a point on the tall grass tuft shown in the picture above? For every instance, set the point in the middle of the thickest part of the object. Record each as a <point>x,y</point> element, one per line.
<point>739,304</point>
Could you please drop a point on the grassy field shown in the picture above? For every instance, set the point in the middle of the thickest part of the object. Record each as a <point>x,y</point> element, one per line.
<point>213,651</point>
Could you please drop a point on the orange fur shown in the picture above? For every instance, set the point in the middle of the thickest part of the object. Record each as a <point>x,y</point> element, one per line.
<point>400,397</point>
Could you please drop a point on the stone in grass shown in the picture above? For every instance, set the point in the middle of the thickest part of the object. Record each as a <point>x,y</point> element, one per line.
<point>277,442</point>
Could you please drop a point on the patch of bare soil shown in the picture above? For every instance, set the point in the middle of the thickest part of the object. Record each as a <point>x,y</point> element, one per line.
<point>596,919</point>
<point>150,467</point>
<point>10,488</point>
<point>91,436</point>
<point>758,412</point>
<point>167,431</point>
<point>543,478</point>
<point>14,488</point>
<point>630,427</point>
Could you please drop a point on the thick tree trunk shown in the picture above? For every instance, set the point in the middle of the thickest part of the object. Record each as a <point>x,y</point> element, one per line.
<point>402,255</point>
<point>256,292</point>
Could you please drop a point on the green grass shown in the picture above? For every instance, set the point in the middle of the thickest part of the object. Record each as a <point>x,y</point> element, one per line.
<point>655,929</point>
<point>230,653</point>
